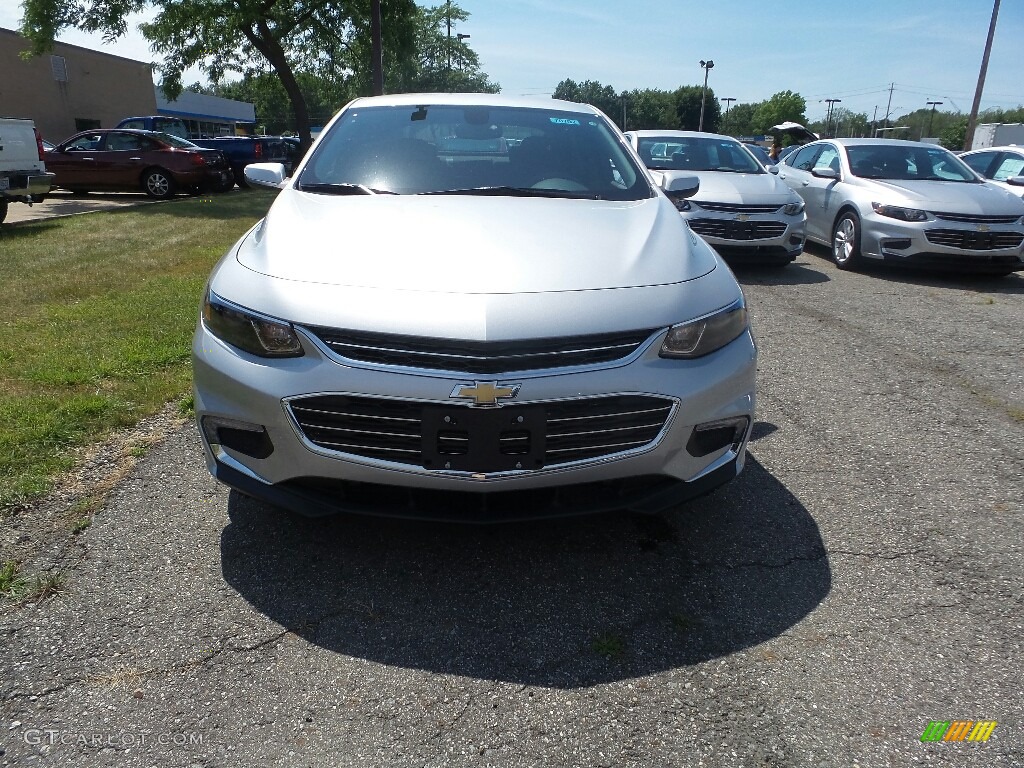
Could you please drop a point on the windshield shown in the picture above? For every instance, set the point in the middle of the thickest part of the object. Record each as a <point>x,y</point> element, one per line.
<point>675,153</point>
<point>913,162</point>
<point>459,149</point>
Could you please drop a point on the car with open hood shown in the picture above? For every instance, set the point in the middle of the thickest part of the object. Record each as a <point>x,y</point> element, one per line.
<point>472,307</point>
<point>740,209</point>
<point>905,203</point>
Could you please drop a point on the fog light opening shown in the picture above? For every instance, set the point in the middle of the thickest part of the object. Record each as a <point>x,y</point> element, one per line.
<point>713,436</point>
<point>897,245</point>
<point>240,436</point>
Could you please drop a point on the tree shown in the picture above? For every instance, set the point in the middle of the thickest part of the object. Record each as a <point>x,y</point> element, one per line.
<point>687,106</point>
<point>442,62</point>
<point>248,37</point>
<point>738,121</point>
<point>604,97</point>
<point>782,107</point>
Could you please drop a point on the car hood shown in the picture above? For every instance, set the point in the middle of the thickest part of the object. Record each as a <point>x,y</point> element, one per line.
<point>472,244</point>
<point>750,188</point>
<point>949,196</point>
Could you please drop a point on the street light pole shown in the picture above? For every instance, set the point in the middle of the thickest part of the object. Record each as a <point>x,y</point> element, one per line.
<point>728,103</point>
<point>931,117</point>
<point>973,119</point>
<point>706,66</point>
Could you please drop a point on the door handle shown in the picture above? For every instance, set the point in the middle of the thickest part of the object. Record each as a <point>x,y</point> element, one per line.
<point>134,158</point>
<point>807,183</point>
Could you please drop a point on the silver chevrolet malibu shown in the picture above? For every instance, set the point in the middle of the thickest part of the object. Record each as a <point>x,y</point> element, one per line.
<point>741,210</point>
<point>472,308</point>
<point>906,203</point>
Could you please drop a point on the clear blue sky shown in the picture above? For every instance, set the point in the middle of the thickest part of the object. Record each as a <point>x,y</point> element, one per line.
<point>851,50</point>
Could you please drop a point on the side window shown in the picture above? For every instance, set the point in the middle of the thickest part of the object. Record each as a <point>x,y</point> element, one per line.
<point>124,142</point>
<point>134,124</point>
<point>1012,165</point>
<point>829,158</point>
<point>90,142</point>
<point>803,159</point>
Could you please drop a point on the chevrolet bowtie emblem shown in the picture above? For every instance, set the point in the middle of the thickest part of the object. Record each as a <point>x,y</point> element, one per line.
<point>983,227</point>
<point>485,392</point>
<point>742,217</point>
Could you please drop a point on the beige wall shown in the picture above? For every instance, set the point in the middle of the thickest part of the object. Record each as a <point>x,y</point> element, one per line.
<point>99,87</point>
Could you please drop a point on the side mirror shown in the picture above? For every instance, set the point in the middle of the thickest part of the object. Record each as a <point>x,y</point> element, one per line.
<point>773,169</point>
<point>825,173</point>
<point>266,174</point>
<point>679,187</point>
<point>1017,181</point>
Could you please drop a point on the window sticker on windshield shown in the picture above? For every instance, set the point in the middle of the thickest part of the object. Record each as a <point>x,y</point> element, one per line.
<point>563,121</point>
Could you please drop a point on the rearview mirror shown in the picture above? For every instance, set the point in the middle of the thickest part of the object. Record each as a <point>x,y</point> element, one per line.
<point>266,174</point>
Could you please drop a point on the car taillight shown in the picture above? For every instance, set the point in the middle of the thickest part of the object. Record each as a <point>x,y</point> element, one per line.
<point>198,159</point>
<point>39,143</point>
<point>259,149</point>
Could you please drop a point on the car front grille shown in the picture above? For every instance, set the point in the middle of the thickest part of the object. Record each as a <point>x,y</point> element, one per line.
<point>970,218</point>
<point>970,240</point>
<point>481,357</point>
<point>736,207</point>
<point>553,433</point>
<point>724,229</point>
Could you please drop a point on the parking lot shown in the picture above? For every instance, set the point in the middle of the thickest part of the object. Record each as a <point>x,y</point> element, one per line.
<point>860,579</point>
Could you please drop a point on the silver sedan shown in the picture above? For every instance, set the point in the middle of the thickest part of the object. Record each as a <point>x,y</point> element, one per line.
<point>904,202</point>
<point>1002,166</point>
<point>472,307</point>
<point>740,210</point>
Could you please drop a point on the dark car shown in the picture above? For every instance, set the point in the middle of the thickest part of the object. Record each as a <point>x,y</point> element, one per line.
<point>158,164</point>
<point>241,151</point>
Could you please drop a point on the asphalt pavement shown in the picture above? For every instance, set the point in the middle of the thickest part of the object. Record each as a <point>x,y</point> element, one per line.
<point>861,578</point>
<point>63,203</point>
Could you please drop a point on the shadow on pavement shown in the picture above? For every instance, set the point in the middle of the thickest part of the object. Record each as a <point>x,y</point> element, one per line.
<point>933,277</point>
<point>563,603</point>
<point>796,273</point>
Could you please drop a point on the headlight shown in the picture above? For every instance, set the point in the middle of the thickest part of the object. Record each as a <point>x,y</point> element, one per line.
<point>792,209</point>
<point>903,214</point>
<point>701,337</point>
<point>250,333</point>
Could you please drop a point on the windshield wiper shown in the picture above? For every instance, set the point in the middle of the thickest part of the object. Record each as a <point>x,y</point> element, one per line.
<point>342,189</point>
<point>515,192</point>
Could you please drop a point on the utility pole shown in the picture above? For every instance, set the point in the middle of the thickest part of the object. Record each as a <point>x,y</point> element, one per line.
<point>376,50</point>
<point>623,97</point>
<point>973,119</point>
<point>828,119</point>
<point>874,126</point>
<point>933,105</point>
<point>888,107</point>
<point>460,37</point>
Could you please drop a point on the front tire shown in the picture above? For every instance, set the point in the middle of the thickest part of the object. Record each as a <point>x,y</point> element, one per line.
<point>846,241</point>
<point>3,211</point>
<point>158,184</point>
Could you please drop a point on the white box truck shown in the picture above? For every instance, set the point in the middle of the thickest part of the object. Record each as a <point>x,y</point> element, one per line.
<point>23,176</point>
<point>997,135</point>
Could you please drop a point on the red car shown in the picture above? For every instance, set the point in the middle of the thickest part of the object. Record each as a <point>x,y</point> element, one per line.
<point>158,164</point>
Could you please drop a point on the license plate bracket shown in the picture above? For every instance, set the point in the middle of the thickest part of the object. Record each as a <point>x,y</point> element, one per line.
<point>483,440</point>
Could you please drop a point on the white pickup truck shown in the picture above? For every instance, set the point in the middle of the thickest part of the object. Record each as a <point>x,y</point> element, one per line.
<point>23,176</point>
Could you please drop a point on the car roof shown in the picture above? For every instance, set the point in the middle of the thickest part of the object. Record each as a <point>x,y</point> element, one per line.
<point>469,100</point>
<point>882,143</point>
<point>1006,148</point>
<point>648,134</point>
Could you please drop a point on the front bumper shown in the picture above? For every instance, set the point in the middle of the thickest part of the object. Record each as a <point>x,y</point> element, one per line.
<point>944,244</point>
<point>304,476</point>
<point>753,237</point>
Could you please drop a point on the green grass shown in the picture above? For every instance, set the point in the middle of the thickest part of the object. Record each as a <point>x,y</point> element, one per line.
<point>99,315</point>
